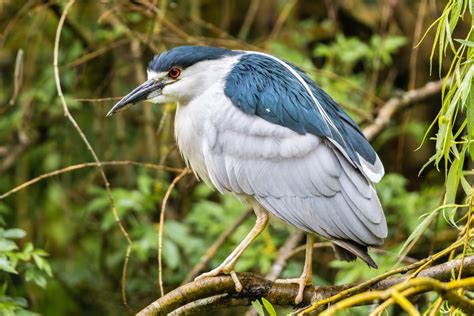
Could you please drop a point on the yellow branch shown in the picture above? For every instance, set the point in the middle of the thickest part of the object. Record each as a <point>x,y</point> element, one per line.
<point>417,285</point>
<point>405,304</point>
<point>381,277</point>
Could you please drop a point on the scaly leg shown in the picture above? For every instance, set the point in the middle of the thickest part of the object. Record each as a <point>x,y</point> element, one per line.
<point>306,277</point>
<point>227,266</point>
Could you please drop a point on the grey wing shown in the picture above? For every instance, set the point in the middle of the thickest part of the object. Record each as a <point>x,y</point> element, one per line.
<point>301,179</point>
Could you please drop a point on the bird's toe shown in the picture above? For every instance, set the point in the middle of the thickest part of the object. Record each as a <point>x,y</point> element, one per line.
<point>220,271</point>
<point>302,282</point>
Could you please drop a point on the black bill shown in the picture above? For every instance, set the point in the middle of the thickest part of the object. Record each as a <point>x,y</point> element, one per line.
<point>138,94</point>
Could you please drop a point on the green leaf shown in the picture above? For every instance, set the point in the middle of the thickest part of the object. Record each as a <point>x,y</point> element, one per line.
<point>7,245</point>
<point>33,275</point>
<point>42,264</point>
<point>145,183</point>
<point>269,307</point>
<point>420,229</point>
<point>27,313</point>
<point>258,307</point>
<point>171,254</point>
<point>466,185</point>
<point>40,252</point>
<point>28,248</point>
<point>7,266</point>
<point>465,42</point>
<point>452,182</point>
<point>14,233</point>
<point>470,121</point>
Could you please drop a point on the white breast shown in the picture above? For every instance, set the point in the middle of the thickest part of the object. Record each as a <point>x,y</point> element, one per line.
<point>191,126</point>
<point>204,95</point>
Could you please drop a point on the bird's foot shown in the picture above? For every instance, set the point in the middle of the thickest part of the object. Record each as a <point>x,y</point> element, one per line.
<point>223,270</point>
<point>303,281</point>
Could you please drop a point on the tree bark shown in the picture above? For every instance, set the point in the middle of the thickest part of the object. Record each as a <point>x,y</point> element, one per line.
<point>256,287</point>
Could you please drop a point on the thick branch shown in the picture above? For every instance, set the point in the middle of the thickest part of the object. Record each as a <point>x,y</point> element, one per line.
<point>279,294</point>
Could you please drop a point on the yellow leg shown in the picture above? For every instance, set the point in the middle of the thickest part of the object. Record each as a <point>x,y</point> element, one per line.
<point>227,266</point>
<point>306,277</point>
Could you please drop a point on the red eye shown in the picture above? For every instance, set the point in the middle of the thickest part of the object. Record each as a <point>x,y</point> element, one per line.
<point>174,73</point>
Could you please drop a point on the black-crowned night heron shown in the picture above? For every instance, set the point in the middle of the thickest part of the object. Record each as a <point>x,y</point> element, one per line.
<point>255,125</point>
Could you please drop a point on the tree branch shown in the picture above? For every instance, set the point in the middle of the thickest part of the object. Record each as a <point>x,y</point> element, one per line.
<point>278,294</point>
<point>395,104</point>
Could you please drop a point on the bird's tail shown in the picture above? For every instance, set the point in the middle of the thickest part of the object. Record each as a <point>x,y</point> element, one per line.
<point>348,251</point>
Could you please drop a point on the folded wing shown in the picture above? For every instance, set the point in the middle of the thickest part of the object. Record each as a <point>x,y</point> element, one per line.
<point>302,179</point>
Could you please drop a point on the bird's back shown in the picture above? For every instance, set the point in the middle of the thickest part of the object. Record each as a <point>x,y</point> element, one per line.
<point>304,178</point>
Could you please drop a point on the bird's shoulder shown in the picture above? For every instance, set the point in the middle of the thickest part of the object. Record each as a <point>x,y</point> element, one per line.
<point>281,93</point>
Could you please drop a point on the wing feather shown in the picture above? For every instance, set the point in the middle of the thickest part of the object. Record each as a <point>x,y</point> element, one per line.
<point>301,179</point>
<point>282,94</point>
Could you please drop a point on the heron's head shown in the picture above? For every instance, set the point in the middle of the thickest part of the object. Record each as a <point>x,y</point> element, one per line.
<point>179,75</point>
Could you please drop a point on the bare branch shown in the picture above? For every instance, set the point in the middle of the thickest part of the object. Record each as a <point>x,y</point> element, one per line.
<point>86,165</point>
<point>392,106</point>
<point>281,294</point>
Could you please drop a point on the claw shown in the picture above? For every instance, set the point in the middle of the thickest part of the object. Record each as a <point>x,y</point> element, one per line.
<point>237,283</point>
<point>223,270</point>
<point>302,282</point>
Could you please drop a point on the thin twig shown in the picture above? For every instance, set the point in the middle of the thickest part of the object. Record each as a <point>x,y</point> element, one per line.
<point>301,248</point>
<point>98,99</point>
<point>422,8</point>
<point>11,23</point>
<point>89,147</point>
<point>96,53</point>
<point>284,253</point>
<point>392,106</point>
<point>168,24</point>
<point>17,77</point>
<point>249,19</point>
<point>162,220</point>
<point>79,32</point>
<point>285,13</point>
<point>86,165</point>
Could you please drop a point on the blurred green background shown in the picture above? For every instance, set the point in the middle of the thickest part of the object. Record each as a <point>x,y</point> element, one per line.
<point>61,251</point>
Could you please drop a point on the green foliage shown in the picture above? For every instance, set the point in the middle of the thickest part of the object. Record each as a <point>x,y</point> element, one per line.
<point>345,52</point>
<point>455,134</point>
<point>346,56</point>
<point>28,263</point>
<point>104,49</point>
<point>264,308</point>
<point>401,203</point>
